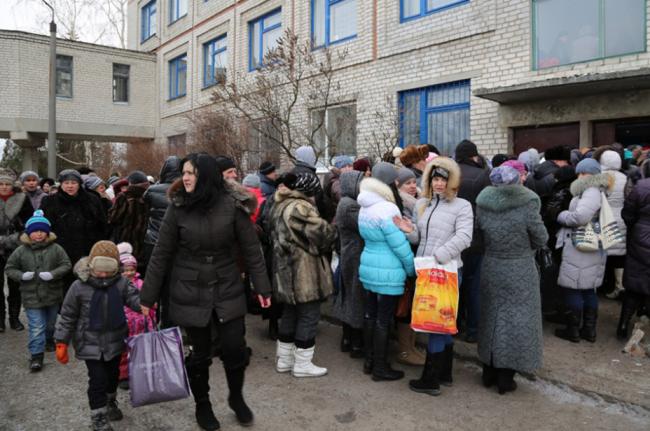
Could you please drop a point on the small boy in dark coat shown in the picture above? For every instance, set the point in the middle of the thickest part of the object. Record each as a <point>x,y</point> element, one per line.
<point>93,317</point>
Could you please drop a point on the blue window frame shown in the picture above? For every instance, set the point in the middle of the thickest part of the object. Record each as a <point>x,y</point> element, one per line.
<point>215,61</point>
<point>178,77</point>
<point>263,35</point>
<point>437,115</point>
<point>333,21</point>
<point>412,9</point>
<point>148,21</point>
<point>177,10</point>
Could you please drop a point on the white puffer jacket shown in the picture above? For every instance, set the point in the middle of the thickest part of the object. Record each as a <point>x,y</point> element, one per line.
<point>610,162</point>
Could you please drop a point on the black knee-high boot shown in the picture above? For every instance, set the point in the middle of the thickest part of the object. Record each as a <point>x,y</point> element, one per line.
<point>628,308</point>
<point>505,380</point>
<point>198,373</point>
<point>236,401</point>
<point>368,332</point>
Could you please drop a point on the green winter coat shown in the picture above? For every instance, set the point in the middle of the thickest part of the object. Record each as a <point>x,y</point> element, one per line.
<point>46,256</point>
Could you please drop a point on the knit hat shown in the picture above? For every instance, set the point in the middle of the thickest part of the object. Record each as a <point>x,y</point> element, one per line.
<point>92,182</point>
<point>588,166</point>
<point>403,175</point>
<point>306,155</point>
<point>306,183</point>
<point>251,180</point>
<point>361,165</point>
<point>224,163</point>
<point>70,175</point>
<point>28,174</point>
<point>385,172</point>
<point>112,179</point>
<point>267,168</point>
<point>105,257</point>
<point>515,164</point>
<point>558,153</point>
<point>7,176</point>
<point>126,255</point>
<point>413,154</point>
<point>137,177</point>
<point>343,161</point>
<point>530,158</point>
<point>504,175</point>
<point>466,150</point>
<point>37,222</point>
<point>441,172</point>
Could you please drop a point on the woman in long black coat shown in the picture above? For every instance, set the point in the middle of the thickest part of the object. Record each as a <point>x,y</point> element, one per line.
<point>195,249</point>
<point>636,276</point>
<point>78,218</point>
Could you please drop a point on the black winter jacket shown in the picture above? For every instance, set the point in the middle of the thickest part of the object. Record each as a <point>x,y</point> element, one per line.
<point>636,214</point>
<point>197,249</point>
<point>542,180</point>
<point>78,221</point>
<point>74,319</point>
<point>156,198</point>
<point>474,177</point>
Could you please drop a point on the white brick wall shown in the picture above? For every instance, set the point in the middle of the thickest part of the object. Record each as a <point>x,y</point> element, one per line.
<point>487,41</point>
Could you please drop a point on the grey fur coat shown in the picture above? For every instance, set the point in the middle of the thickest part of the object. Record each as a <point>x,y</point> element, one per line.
<point>510,326</point>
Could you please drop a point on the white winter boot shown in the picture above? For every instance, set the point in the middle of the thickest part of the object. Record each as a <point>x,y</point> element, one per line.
<point>303,367</point>
<point>284,357</point>
<point>618,283</point>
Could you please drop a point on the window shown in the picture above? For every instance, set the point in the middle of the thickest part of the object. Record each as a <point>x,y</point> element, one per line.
<point>177,10</point>
<point>337,131</point>
<point>583,30</point>
<point>264,33</point>
<point>176,144</point>
<point>148,23</point>
<point>120,82</point>
<point>333,21</point>
<point>437,115</point>
<point>177,77</point>
<point>63,76</point>
<point>411,9</point>
<point>215,61</point>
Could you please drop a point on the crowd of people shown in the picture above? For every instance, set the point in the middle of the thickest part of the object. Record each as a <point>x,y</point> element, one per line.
<point>94,261</point>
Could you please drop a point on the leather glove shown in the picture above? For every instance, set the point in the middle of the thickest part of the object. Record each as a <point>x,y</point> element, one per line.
<point>45,276</point>
<point>27,276</point>
<point>62,353</point>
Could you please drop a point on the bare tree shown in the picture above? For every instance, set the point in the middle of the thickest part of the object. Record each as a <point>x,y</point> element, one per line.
<point>385,127</point>
<point>276,100</point>
<point>115,13</point>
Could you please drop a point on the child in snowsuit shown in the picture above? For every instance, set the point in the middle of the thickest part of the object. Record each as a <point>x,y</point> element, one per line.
<point>135,321</point>
<point>39,265</point>
<point>92,316</point>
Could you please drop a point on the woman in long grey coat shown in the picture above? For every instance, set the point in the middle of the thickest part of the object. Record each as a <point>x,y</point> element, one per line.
<point>510,326</point>
<point>348,304</point>
<point>582,272</point>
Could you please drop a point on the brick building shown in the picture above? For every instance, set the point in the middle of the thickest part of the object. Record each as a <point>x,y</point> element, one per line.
<point>103,93</point>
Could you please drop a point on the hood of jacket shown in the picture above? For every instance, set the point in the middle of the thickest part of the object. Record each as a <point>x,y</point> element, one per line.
<point>504,198</point>
<point>604,182</point>
<point>14,204</point>
<point>453,182</point>
<point>244,199</point>
<point>546,168</point>
<point>610,161</point>
<point>373,191</point>
<point>171,170</point>
<point>26,240</point>
<point>82,269</point>
<point>350,182</point>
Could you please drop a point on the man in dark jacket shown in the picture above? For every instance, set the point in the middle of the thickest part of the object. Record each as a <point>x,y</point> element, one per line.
<point>542,180</point>
<point>156,199</point>
<point>475,176</point>
<point>268,174</point>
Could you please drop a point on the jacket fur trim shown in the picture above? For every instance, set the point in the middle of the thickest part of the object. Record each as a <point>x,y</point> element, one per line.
<point>604,182</point>
<point>499,199</point>
<point>373,185</point>
<point>453,182</point>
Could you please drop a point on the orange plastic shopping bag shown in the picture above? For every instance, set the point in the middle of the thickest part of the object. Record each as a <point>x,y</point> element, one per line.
<point>435,303</point>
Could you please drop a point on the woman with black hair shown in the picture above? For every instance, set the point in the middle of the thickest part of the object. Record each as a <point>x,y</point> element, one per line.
<point>207,218</point>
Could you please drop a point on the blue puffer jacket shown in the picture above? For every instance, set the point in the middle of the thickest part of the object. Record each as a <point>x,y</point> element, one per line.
<point>387,257</point>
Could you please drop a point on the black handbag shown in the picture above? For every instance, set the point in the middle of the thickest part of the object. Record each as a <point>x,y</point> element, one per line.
<point>544,258</point>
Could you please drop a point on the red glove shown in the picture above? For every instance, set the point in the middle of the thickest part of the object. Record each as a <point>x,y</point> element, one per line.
<point>264,302</point>
<point>62,353</point>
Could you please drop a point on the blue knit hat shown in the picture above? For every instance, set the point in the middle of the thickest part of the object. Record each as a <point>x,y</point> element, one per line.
<point>37,222</point>
<point>588,166</point>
